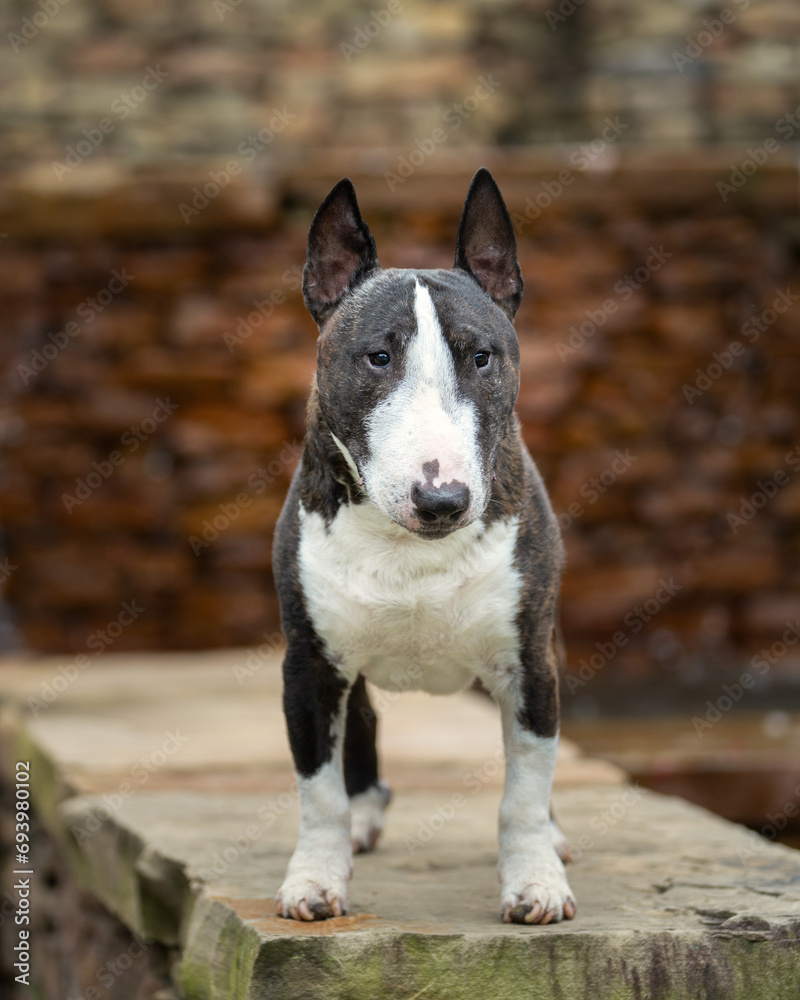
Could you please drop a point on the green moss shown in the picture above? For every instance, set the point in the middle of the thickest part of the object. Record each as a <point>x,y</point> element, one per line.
<point>219,955</point>
<point>48,789</point>
<point>630,966</point>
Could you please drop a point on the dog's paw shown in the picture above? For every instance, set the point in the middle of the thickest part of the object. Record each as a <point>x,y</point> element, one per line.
<point>314,889</point>
<point>537,894</point>
<point>366,816</point>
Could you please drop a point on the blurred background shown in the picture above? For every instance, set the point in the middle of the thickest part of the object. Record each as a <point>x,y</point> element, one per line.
<point>161,164</point>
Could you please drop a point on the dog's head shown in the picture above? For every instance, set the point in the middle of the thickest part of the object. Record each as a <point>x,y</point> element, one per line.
<point>418,371</point>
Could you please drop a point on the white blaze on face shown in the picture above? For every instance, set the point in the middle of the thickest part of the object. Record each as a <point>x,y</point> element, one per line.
<point>423,420</point>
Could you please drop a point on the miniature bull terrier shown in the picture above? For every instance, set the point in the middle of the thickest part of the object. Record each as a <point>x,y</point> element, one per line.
<point>417,547</point>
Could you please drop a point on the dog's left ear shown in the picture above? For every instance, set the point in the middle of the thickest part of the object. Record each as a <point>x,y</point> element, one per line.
<point>341,252</point>
<point>486,247</point>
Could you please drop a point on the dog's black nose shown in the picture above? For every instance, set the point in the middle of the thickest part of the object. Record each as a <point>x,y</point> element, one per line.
<point>442,503</point>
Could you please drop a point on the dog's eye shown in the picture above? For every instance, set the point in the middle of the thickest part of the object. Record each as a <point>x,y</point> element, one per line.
<point>380,359</point>
<point>481,359</point>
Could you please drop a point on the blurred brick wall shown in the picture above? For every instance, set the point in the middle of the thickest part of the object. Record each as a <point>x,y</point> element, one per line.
<point>671,70</point>
<point>179,405</point>
<point>160,165</point>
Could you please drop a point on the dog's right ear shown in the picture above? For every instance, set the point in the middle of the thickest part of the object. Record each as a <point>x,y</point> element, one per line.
<point>341,252</point>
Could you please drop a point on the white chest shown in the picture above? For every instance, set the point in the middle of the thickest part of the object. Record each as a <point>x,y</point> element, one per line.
<point>409,613</point>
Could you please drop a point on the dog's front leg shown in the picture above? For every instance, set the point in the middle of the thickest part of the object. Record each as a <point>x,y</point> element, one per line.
<point>534,883</point>
<point>315,703</point>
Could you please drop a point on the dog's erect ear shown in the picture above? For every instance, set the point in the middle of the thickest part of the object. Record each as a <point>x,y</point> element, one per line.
<point>341,251</point>
<point>486,247</point>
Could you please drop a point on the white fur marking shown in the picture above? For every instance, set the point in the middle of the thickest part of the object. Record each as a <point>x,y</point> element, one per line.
<point>423,420</point>
<point>322,861</point>
<point>408,613</point>
<point>531,872</point>
<point>348,457</point>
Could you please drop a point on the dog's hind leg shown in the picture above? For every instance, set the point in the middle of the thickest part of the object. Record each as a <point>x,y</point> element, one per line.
<point>369,796</point>
<point>560,841</point>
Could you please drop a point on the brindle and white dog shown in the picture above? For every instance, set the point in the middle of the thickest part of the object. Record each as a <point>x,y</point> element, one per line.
<point>417,546</point>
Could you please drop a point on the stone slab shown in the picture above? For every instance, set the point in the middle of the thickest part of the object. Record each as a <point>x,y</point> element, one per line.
<point>673,902</point>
